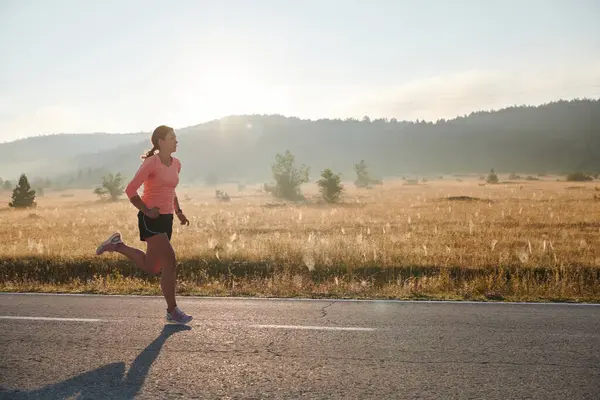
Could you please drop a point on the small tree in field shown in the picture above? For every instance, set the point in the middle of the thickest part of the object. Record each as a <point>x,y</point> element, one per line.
<point>23,196</point>
<point>492,177</point>
<point>112,187</point>
<point>362,175</point>
<point>331,186</point>
<point>288,177</point>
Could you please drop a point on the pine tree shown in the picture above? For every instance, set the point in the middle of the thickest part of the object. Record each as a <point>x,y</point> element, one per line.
<point>492,177</point>
<point>23,195</point>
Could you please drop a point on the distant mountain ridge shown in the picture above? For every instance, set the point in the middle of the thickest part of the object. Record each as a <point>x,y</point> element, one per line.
<point>554,137</point>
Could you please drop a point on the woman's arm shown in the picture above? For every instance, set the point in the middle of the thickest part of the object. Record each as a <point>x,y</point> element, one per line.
<point>136,200</point>
<point>140,176</point>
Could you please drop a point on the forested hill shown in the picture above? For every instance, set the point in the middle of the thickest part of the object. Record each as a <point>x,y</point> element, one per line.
<point>562,136</point>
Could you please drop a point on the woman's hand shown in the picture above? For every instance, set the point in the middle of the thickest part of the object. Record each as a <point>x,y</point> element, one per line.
<point>182,218</point>
<point>139,204</point>
<point>152,212</point>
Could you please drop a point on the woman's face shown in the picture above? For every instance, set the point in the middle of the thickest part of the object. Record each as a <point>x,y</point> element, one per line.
<point>169,143</point>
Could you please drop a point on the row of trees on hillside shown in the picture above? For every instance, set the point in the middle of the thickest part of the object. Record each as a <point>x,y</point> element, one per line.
<point>552,139</point>
<point>556,138</point>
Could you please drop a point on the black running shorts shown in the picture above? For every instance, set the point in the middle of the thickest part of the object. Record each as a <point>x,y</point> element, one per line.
<point>153,226</point>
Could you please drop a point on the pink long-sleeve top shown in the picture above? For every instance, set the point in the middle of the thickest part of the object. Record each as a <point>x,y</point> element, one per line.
<point>159,183</point>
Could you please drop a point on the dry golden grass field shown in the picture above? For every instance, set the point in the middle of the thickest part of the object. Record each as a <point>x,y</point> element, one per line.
<point>440,239</point>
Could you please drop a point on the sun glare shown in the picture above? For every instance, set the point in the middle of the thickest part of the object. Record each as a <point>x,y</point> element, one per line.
<point>226,88</point>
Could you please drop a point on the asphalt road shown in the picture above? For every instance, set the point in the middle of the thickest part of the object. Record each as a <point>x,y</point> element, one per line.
<point>118,347</point>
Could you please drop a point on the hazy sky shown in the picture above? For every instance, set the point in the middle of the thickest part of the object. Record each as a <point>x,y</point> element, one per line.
<point>127,66</point>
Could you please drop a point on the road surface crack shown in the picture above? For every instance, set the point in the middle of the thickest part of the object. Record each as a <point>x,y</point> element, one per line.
<point>323,312</point>
<point>271,351</point>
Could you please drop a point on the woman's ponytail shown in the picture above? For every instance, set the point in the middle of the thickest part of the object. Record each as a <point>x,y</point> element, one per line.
<point>150,153</point>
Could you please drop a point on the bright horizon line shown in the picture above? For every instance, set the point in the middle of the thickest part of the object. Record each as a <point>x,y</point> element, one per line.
<point>311,119</point>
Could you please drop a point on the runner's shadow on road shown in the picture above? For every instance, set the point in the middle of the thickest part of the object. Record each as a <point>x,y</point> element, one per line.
<point>110,381</point>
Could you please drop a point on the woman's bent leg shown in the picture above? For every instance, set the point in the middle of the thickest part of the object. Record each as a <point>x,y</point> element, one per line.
<point>114,243</point>
<point>135,255</point>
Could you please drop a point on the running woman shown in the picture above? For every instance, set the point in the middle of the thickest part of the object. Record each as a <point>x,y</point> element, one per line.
<point>159,173</point>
